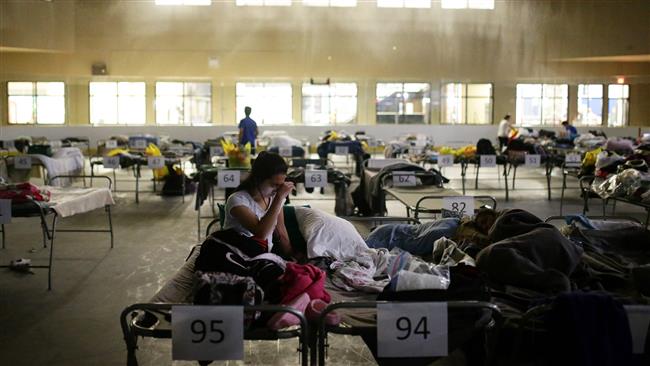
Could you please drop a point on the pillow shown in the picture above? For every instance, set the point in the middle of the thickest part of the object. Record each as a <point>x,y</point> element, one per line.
<point>329,236</point>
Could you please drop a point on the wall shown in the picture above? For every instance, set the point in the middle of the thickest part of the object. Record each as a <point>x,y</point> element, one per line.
<point>442,135</point>
<point>519,41</point>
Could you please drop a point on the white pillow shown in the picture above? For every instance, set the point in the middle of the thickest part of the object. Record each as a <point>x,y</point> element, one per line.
<point>329,236</point>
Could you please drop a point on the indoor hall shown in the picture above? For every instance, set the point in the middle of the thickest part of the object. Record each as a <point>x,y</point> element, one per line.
<point>454,182</point>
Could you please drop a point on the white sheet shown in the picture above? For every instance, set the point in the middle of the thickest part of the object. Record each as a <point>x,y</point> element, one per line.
<point>71,201</point>
<point>65,161</point>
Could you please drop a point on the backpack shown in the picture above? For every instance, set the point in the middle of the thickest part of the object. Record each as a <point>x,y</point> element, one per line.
<point>484,147</point>
<point>174,184</point>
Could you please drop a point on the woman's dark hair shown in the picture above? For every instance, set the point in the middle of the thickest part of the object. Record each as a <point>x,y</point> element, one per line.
<point>264,167</point>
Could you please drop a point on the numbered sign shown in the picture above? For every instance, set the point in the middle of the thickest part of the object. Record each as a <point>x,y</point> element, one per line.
<point>207,332</point>
<point>216,151</point>
<point>460,205</point>
<point>533,160</point>
<point>639,318</point>
<point>5,211</point>
<point>315,178</point>
<point>573,160</point>
<point>23,162</point>
<point>445,160</point>
<point>404,179</point>
<point>412,329</point>
<point>111,144</point>
<point>155,162</point>
<point>140,144</point>
<point>111,162</point>
<point>488,161</point>
<point>341,150</point>
<point>9,144</point>
<point>228,178</point>
<point>381,163</point>
<point>285,151</point>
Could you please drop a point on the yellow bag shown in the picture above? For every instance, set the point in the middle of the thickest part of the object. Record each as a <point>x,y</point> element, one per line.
<point>590,157</point>
<point>153,150</point>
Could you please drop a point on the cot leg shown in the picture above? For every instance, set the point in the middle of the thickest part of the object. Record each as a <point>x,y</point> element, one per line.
<point>137,183</point>
<point>478,167</point>
<point>614,208</point>
<point>183,187</point>
<point>562,194</point>
<point>49,267</point>
<point>322,340</point>
<point>506,170</point>
<point>514,175</point>
<point>92,173</point>
<point>114,182</point>
<point>130,340</point>
<point>549,171</point>
<point>463,173</point>
<point>110,223</point>
<point>45,231</point>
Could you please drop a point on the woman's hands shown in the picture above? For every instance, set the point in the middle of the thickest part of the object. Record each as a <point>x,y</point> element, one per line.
<point>285,189</point>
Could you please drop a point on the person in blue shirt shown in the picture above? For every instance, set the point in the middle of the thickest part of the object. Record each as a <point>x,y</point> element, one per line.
<point>572,131</point>
<point>248,130</point>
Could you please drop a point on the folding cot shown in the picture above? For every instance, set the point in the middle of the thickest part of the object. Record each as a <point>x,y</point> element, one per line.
<point>65,202</point>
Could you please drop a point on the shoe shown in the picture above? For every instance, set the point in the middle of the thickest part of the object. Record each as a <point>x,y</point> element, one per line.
<point>316,308</point>
<point>283,320</point>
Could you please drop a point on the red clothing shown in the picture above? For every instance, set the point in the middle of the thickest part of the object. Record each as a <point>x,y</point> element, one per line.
<point>303,278</point>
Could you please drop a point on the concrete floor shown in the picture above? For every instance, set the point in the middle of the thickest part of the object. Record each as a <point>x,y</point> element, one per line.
<point>77,322</point>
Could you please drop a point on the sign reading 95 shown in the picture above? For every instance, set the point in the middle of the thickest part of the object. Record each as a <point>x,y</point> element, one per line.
<point>412,329</point>
<point>207,332</point>
<point>228,178</point>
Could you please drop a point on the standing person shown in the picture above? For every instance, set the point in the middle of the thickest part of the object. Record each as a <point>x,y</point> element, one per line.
<point>248,130</point>
<point>571,130</point>
<point>504,130</point>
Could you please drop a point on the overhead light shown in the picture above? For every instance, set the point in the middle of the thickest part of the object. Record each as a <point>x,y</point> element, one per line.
<point>620,80</point>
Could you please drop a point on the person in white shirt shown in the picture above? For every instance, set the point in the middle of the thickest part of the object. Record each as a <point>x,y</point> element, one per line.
<point>255,209</point>
<point>504,131</point>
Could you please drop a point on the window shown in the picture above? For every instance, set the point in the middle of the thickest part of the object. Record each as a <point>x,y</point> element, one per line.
<point>179,103</point>
<point>114,103</point>
<point>618,105</point>
<point>467,103</point>
<point>403,103</point>
<point>263,2</point>
<point>330,3</point>
<point>467,4</point>
<point>329,104</point>
<point>36,102</point>
<point>404,3</point>
<point>590,105</point>
<point>542,104</point>
<point>271,102</point>
<point>184,2</point>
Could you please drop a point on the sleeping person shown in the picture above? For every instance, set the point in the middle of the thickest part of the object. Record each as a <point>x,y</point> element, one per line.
<point>418,239</point>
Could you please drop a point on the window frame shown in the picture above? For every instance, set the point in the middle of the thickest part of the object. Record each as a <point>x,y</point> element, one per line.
<point>261,122</point>
<point>465,98</point>
<point>626,103</point>
<point>589,99</point>
<point>183,98</point>
<point>332,106</point>
<point>427,114</point>
<point>117,96</point>
<point>542,98</point>
<point>34,95</point>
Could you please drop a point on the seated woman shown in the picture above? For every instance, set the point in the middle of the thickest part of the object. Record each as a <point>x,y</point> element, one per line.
<point>418,239</point>
<point>255,209</point>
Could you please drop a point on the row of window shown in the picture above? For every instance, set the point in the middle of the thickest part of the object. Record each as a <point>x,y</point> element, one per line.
<point>444,4</point>
<point>190,103</point>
